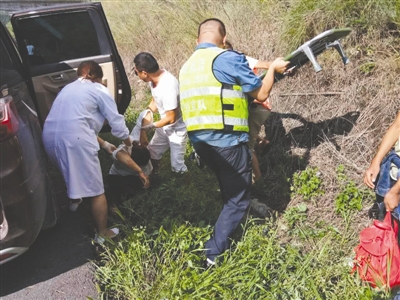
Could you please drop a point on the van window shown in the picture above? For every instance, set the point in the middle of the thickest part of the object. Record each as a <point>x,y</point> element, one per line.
<point>8,73</point>
<point>59,37</point>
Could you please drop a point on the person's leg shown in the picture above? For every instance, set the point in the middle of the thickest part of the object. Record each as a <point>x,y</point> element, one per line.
<point>157,147</point>
<point>232,166</point>
<point>256,167</point>
<point>177,144</point>
<point>99,211</point>
<point>257,117</point>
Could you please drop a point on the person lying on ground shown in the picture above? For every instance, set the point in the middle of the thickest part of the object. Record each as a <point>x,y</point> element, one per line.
<point>131,172</point>
<point>128,172</point>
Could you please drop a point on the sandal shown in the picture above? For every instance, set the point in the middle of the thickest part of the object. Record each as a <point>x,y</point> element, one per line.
<point>100,240</point>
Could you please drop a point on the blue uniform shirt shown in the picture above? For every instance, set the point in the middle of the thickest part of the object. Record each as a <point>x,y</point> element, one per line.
<point>231,68</point>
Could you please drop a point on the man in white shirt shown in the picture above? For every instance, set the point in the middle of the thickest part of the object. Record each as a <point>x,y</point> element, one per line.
<point>170,129</point>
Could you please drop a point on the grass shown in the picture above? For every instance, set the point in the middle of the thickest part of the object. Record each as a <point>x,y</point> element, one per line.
<point>322,121</point>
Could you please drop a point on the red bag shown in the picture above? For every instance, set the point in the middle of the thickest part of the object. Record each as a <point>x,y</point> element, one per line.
<point>378,256</point>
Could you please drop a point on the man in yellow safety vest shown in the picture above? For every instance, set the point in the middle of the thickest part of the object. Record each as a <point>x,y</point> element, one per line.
<point>214,84</point>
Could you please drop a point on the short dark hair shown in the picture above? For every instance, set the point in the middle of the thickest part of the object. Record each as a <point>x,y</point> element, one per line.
<point>90,70</point>
<point>140,155</point>
<point>144,61</point>
<point>221,28</point>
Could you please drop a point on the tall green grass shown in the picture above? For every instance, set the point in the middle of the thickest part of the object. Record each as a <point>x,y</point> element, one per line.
<point>169,264</point>
<point>305,19</point>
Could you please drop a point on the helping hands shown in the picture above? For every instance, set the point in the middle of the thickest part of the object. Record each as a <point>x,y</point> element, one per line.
<point>370,175</point>
<point>108,147</point>
<point>279,65</point>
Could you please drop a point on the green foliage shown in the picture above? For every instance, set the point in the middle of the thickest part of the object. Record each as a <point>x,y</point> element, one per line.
<point>168,264</point>
<point>130,117</point>
<point>4,17</point>
<point>350,197</point>
<point>307,184</point>
<point>368,67</point>
<point>296,214</point>
<point>305,19</point>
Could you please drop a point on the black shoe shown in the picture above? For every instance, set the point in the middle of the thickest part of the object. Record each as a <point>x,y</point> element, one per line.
<point>377,211</point>
<point>195,157</point>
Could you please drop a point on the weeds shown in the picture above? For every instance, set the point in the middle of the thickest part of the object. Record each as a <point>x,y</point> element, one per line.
<point>296,214</point>
<point>351,197</point>
<point>307,184</point>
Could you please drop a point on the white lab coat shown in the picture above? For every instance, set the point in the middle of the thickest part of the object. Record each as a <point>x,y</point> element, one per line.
<point>70,134</point>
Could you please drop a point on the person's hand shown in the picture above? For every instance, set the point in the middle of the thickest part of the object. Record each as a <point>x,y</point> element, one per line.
<point>391,200</point>
<point>145,179</point>
<point>149,127</point>
<point>266,103</point>
<point>370,175</point>
<point>279,65</point>
<point>290,72</point>
<point>108,147</point>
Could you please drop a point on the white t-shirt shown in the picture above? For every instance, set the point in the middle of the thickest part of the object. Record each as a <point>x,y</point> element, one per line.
<point>252,62</point>
<point>166,97</point>
<point>119,168</point>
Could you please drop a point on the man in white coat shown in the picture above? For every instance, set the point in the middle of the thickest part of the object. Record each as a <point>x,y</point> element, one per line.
<point>71,141</point>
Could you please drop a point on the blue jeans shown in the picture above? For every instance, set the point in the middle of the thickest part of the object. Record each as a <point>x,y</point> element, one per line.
<point>385,182</point>
<point>232,166</point>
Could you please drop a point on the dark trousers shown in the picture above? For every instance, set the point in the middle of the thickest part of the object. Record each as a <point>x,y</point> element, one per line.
<point>232,165</point>
<point>120,185</point>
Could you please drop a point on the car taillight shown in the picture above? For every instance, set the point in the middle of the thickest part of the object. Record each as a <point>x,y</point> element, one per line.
<point>8,119</point>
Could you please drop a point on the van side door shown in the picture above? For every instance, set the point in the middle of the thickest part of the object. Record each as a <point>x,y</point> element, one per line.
<point>54,40</point>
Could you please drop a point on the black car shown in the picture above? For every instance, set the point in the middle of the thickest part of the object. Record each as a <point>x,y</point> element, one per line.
<point>49,45</point>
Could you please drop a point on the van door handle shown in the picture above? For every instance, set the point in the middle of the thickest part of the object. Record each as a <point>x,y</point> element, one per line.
<point>58,77</point>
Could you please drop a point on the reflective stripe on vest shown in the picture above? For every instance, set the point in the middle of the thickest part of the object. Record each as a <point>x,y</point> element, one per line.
<point>205,102</point>
<point>205,91</point>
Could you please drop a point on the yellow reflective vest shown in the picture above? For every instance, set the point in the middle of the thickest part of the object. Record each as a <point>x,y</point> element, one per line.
<point>207,103</point>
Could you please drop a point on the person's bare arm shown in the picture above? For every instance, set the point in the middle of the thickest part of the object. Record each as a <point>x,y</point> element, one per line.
<point>152,105</point>
<point>262,93</point>
<point>389,139</point>
<point>106,145</point>
<point>170,118</point>
<point>261,64</point>
<point>147,120</point>
<point>124,157</point>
